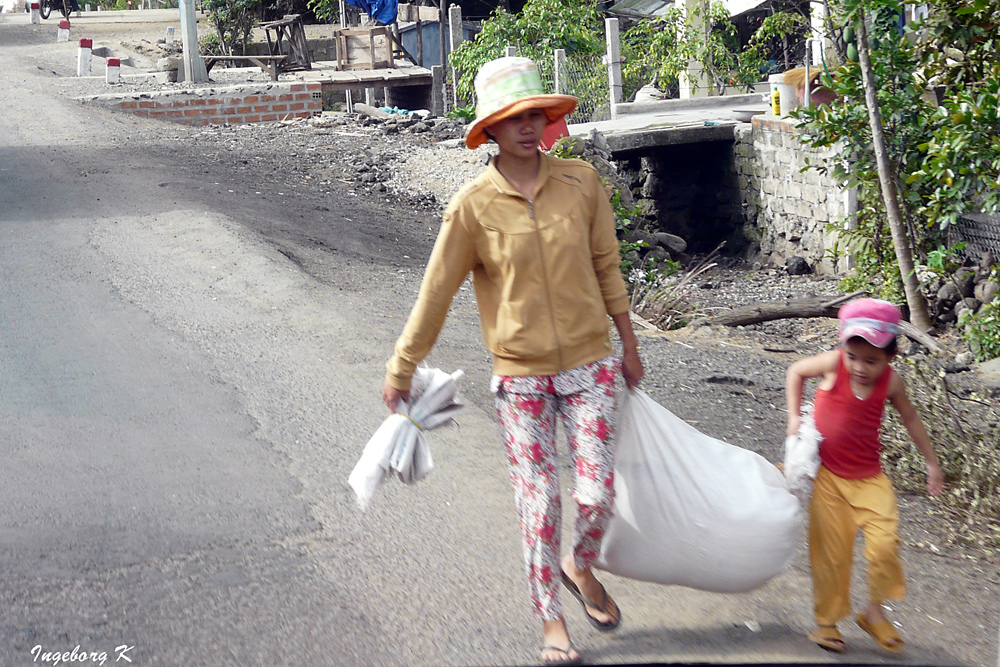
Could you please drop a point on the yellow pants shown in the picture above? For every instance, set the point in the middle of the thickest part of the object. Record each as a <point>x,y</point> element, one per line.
<point>838,508</point>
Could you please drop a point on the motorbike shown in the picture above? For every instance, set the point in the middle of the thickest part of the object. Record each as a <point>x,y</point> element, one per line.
<point>45,7</point>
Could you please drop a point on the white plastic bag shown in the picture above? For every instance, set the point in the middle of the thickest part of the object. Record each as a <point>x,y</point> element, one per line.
<point>694,511</point>
<point>802,457</point>
<point>399,444</point>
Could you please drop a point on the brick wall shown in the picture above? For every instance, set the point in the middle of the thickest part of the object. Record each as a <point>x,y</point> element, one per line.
<point>229,105</point>
<point>787,211</point>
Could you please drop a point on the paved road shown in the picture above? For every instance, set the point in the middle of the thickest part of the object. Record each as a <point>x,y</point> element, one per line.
<point>189,365</point>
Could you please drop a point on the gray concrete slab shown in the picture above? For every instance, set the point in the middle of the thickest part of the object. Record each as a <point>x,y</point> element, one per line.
<point>640,126</point>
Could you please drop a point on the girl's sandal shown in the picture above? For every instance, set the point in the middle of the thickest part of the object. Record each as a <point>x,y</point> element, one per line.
<point>565,651</point>
<point>828,638</point>
<point>883,632</point>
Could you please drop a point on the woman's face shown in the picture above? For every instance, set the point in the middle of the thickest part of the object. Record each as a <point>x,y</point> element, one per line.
<point>519,135</point>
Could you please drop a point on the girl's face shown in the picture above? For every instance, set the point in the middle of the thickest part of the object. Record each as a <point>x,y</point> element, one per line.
<point>864,362</point>
<point>519,135</point>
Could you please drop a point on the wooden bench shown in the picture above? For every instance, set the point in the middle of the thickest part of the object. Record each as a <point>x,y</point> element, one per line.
<point>270,64</point>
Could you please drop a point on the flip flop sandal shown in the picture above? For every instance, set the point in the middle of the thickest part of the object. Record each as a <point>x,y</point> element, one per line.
<point>883,632</point>
<point>603,627</point>
<point>828,638</point>
<point>565,651</point>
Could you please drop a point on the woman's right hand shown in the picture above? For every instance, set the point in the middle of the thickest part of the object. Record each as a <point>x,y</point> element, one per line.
<point>793,424</point>
<point>391,396</point>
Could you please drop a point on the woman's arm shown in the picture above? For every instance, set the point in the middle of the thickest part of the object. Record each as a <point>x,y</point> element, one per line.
<point>632,369</point>
<point>450,262</point>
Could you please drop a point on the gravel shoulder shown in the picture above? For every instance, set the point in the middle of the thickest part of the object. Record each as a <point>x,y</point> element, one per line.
<point>726,381</point>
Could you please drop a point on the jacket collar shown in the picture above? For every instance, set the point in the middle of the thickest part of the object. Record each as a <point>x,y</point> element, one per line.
<point>501,183</point>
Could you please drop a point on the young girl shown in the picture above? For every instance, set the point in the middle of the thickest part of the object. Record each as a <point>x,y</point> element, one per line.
<point>537,233</point>
<point>851,491</point>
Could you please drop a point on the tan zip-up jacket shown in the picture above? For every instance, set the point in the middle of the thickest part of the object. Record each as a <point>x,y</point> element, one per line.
<point>545,273</point>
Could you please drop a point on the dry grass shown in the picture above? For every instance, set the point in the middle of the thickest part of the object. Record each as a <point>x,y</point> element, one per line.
<point>965,430</point>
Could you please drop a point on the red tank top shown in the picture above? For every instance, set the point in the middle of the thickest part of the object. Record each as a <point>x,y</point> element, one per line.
<point>850,426</point>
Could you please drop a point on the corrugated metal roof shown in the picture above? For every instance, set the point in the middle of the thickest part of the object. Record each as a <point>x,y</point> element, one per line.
<point>642,9</point>
<point>645,9</point>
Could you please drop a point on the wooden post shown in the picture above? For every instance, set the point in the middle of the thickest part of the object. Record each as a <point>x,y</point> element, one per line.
<point>613,60</point>
<point>559,71</point>
<point>348,99</point>
<point>442,21</point>
<point>420,41</point>
<point>455,30</point>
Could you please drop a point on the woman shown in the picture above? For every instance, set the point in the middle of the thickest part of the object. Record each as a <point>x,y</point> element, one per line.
<point>538,235</point>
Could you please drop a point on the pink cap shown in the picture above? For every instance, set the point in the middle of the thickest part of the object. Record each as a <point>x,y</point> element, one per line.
<point>114,62</point>
<point>64,24</point>
<point>875,320</point>
<point>86,43</point>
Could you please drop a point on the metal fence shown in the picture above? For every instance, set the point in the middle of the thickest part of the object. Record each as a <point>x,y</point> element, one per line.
<point>584,77</point>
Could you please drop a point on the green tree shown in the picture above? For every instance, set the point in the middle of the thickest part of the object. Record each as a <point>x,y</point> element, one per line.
<point>667,45</point>
<point>941,154</point>
<point>233,21</point>
<point>540,28</point>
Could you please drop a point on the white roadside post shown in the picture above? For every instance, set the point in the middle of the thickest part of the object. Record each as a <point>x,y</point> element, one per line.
<point>194,67</point>
<point>613,60</point>
<point>85,57</point>
<point>63,34</point>
<point>694,81</point>
<point>456,37</point>
<point>169,40</point>
<point>36,13</point>
<point>112,74</point>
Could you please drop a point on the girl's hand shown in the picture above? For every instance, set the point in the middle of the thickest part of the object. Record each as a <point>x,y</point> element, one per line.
<point>632,369</point>
<point>391,396</point>
<point>793,424</point>
<point>935,479</point>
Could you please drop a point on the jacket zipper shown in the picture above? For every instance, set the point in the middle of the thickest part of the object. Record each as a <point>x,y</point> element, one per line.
<point>545,278</point>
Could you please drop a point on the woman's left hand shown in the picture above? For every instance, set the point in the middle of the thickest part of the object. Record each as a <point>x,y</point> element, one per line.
<point>632,369</point>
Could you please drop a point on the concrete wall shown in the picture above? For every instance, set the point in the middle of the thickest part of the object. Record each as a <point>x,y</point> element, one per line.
<point>229,105</point>
<point>786,211</point>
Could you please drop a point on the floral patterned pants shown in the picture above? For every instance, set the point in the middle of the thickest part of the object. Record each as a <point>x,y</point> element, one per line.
<point>528,409</point>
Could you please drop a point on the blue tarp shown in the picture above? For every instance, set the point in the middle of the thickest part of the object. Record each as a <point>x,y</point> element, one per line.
<point>383,11</point>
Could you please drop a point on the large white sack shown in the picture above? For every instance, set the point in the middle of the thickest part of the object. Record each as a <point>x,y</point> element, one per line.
<point>691,510</point>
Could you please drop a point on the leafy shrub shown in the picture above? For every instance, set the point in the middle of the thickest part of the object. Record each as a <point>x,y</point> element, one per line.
<point>233,21</point>
<point>468,114</point>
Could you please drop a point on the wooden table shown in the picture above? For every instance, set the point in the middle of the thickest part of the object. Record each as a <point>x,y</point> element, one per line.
<point>286,37</point>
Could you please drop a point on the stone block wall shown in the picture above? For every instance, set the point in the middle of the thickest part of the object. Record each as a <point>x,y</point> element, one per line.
<point>229,105</point>
<point>786,211</point>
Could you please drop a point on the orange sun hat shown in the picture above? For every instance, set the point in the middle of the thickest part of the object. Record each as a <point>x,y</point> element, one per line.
<point>507,87</point>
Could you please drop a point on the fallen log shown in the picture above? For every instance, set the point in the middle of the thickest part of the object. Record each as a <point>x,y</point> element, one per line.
<point>804,308</point>
<point>780,310</point>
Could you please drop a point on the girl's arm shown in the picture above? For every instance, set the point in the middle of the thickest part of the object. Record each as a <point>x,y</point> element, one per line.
<point>795,380</point>
<point>915,427</point>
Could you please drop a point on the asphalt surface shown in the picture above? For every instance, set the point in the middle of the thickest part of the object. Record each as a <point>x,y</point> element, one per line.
<point>190,364</point>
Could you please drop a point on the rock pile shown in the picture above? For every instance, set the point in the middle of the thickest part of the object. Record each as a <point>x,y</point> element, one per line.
<point>965,290</point>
